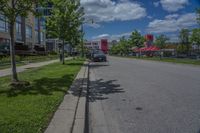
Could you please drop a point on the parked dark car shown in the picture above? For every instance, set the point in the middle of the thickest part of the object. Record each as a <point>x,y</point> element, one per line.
<point>99,56</point>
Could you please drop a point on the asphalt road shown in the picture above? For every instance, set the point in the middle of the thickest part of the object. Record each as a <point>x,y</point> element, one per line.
<point>137,96</point>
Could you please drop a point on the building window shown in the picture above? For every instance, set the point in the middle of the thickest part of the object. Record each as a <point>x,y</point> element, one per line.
<point>36,30</point>
<point>36,36</point>
<point>19,28</point>
<point>18,31</point>
<point>45,11</point>
<point>41,36</point>
<point>19,19</point>
<point>28,31</point>
<point>36,24</point>
<point>42,24</point>
<point>3,24</point>
<point>4,45</point>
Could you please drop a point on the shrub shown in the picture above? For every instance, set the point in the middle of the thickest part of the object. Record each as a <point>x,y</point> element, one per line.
<point>181,49</point>
<point>53,53</point>
<point>167,54</point>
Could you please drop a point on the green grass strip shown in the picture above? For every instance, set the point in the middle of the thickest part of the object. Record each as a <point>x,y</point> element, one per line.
<point>28,110</point>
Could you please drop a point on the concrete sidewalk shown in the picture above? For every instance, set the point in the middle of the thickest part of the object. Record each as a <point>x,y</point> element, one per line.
<point>70,116</point>
<point>6,72</point>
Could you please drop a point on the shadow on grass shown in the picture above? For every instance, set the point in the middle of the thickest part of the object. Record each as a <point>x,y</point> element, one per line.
<point>43,86</point>
<point>100,89</point>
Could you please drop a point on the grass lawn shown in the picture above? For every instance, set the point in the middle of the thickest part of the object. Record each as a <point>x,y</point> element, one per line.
<point>28,110</point>
<point>172,60</point>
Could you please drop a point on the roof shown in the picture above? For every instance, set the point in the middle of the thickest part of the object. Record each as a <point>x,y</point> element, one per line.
<point>146,49</point>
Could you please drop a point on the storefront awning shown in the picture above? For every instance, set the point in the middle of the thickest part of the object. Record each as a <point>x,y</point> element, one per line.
<point>146,49</point>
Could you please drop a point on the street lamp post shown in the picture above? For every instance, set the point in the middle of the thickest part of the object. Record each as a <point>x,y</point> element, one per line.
<point>82,40</point>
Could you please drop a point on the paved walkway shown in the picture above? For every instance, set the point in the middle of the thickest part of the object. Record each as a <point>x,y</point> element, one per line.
<point>6,72</point>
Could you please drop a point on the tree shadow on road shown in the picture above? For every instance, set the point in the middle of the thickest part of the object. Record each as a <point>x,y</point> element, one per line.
<point>100,89</point>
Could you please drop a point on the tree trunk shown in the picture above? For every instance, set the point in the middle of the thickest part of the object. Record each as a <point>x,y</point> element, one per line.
<point>12,53</point>
<point>63,52</point>
<point>160,54</point>
<point>82,43</point>
<point>82,50</point>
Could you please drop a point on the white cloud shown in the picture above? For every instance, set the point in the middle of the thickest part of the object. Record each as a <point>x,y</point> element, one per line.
<point>94,25</point>
<point>156,4</point>
<point>111,37</point>
<point>173,38</point>
<point>117,37</point>
<point>108,10</point>
<point>102,36</point>
<point>173,5</point>
<point>172,24</point>
<point>172,16</point>
<point>149,17</point>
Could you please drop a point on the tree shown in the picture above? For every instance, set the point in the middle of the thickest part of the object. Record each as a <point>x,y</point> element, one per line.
<point>184,38</point>
<point>12,9</point>
<point>181,49</point>
<point>161,41</point>
<point>113,50</point>
<point>195,37</point>
<point>124,46</point>
<point>65,22</point>
<point>136,39</point>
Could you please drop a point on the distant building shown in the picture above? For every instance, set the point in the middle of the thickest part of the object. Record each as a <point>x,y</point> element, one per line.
<point>45,11</point>
<point>51,42</point>
<point>52,45</point>
<point>149,40</point>
<point>98,45</point>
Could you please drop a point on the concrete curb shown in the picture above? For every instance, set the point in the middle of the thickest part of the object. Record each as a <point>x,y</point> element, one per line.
<point>79,122</point>
<point>70,115</point>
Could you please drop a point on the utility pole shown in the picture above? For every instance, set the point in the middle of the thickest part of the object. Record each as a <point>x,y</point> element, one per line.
<point>82,42</point>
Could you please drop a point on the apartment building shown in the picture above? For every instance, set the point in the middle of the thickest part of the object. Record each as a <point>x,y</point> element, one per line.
<point>4,35</point>
<point>51,43</point>
<point>29,35</point>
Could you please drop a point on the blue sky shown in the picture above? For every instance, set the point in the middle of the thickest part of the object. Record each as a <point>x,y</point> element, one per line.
<point>116,18</point>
